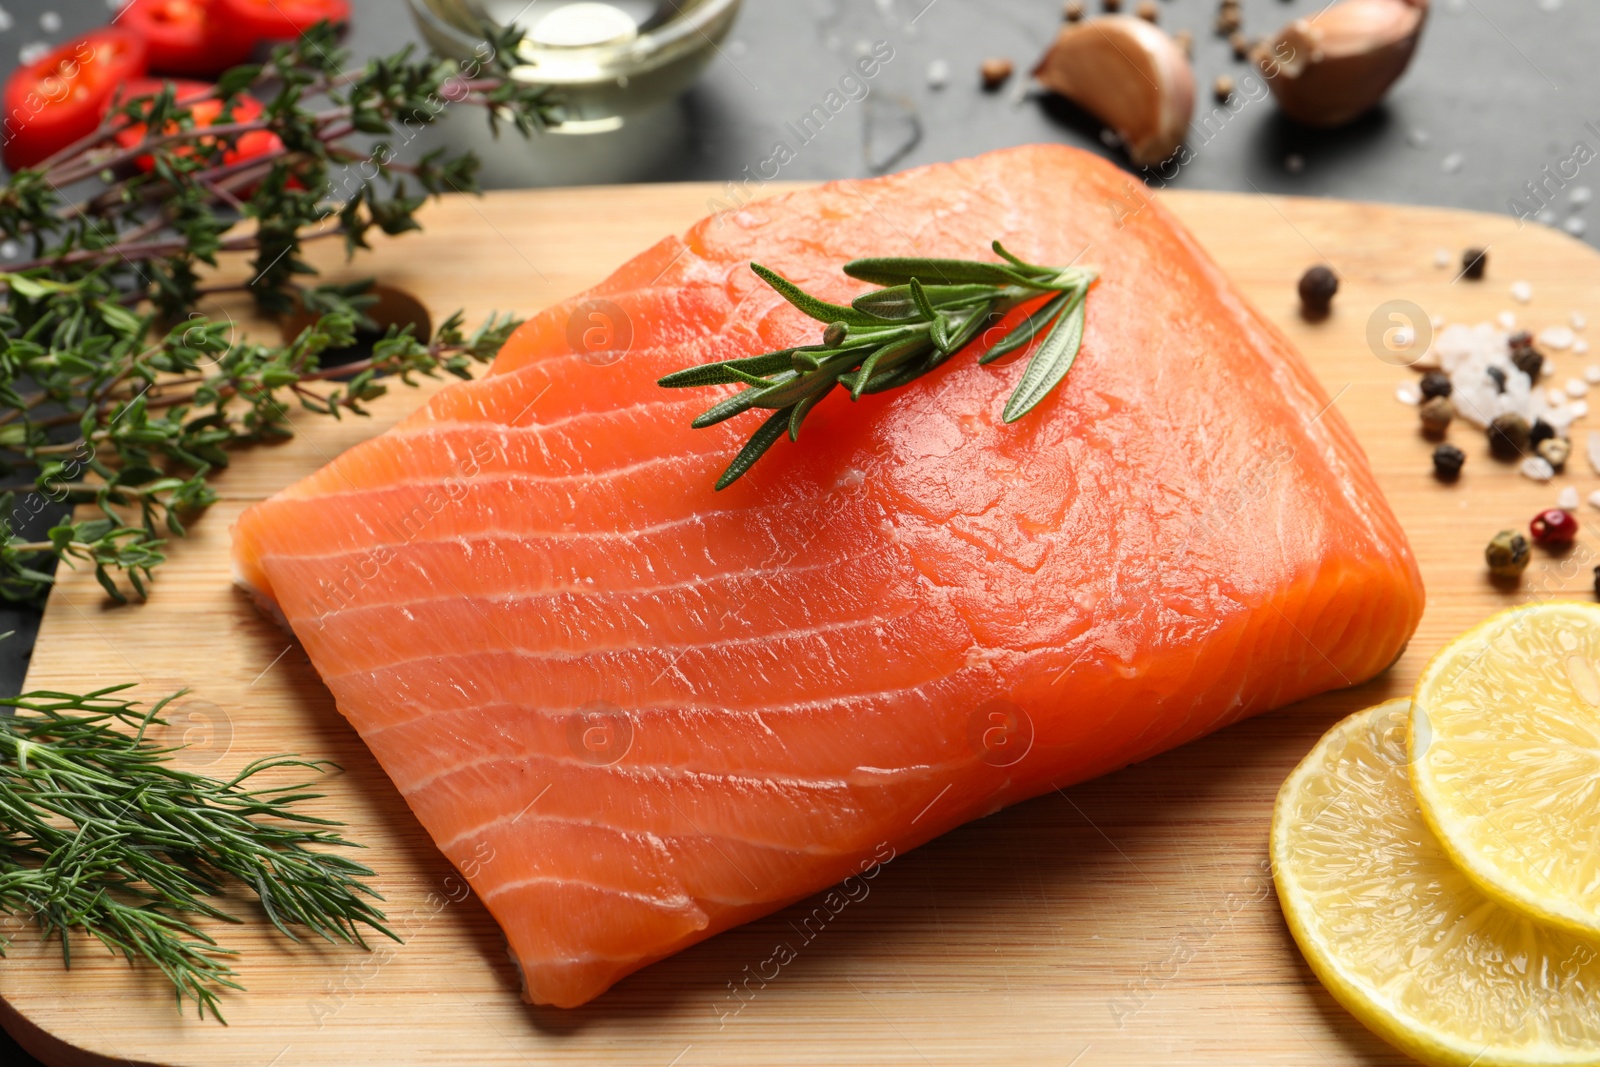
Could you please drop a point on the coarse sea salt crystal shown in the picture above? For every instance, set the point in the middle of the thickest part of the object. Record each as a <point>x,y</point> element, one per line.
<point>1593,449</point>
<point>1577,387</point>
<point>1521,292</point>
<point>1579,408</point>
<point>1594,499</point>
<point>1441,258</point>
<point>1577,320</point>
<point>1408,395</point>
<point>1559,338</point>
<point>1567,499</point>
<point>1579,347</point>
<point>1537,468</point>
<point>1437,322</point>
<point>1507,320</point>
<point>1591,374</point>
<point>1555,396</point>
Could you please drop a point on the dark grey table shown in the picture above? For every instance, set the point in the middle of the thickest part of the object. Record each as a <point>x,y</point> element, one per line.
<point>1497,92</point>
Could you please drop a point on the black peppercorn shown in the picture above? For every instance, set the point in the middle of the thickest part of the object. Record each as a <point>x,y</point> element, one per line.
<point>1447,461</point>
<point>1473,260</point>
<point>1528,361</point>
<point>1508,436</point>
<point>1435,383</point>
<point>1540,431</point>
<point>1597,583</point>
<point>1317,286</point>
<point>1520,339</point>
<point>1498,377</point>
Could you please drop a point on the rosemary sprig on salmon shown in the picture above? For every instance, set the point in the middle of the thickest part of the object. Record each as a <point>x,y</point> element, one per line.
<point>929,310</point>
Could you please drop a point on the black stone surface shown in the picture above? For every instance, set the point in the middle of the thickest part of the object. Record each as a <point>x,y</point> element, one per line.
<point>1499,90</point>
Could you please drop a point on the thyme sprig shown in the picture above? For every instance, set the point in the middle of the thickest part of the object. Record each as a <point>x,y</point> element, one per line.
<point>100,834</point>
<point>115,391</point>
<point>929,310</point>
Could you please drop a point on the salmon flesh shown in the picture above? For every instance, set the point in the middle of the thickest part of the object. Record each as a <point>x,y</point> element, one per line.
<point>666,710</point>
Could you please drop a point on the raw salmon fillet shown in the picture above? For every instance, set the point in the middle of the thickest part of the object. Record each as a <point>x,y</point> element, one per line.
<point>664,711</point>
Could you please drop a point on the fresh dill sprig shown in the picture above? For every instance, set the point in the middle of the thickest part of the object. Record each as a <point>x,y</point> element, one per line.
<point>929,310</point>
<point>114,391</point>
<point>101,835</point>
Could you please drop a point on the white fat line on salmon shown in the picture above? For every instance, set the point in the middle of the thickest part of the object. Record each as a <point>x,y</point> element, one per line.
<point>407,529</point>
<point>1186,944</point>
<point>355,976</point>
<point>853,85</point>
<point>852,889</point>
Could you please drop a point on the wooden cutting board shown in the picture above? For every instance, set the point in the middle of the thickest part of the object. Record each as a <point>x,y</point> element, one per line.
<point>1127,920</point>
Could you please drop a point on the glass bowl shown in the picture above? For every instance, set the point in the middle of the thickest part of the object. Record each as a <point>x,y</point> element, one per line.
<point>608,61</point>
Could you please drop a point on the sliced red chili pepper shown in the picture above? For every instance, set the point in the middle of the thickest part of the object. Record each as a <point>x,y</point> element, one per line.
<point>276,20</point>
<point>190,37</point>
<point>204,111</point>
<point>54,101</point>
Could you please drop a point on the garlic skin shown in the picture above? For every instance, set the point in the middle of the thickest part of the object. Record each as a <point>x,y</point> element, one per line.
<point>1334,66</point>
<point>1129,74</point>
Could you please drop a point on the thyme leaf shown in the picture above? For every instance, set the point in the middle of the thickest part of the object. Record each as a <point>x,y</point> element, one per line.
<point>116,394</point>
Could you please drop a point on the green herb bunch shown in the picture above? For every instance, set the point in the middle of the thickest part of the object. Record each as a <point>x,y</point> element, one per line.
<point>99,832</point>
<point>114,390</point>
<point>929,310</point>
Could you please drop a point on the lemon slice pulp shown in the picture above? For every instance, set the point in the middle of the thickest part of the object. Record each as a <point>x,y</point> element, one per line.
<point>1400,937</point>
<point>1505,743</point>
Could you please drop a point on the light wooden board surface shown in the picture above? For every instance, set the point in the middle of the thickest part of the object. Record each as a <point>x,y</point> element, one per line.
<point>1127,920</point>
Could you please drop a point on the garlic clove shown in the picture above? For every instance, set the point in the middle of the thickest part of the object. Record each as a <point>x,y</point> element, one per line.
<point>1129,74</point>
<point>1332,67</point>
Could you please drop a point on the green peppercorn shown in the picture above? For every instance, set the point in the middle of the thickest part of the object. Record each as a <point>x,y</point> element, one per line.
<point>1508,436</point>
<point>1507,554</point>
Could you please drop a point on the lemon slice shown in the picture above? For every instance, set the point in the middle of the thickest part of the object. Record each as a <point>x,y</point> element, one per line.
<point>1400,937</point>
<point>1505,743</point>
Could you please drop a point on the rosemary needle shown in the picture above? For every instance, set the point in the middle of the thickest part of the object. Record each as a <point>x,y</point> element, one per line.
<point>103,836</point>
<point>894,335</point>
